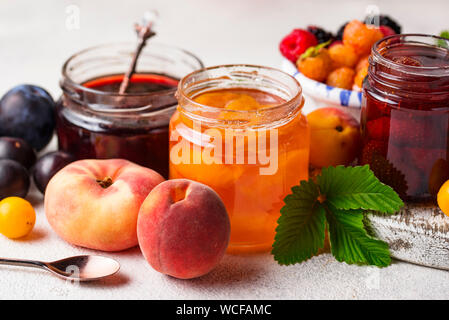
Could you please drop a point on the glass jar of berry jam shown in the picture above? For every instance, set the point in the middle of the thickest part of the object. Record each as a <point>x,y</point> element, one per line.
<point>239,129</point>
<point>95,121</point>
<point>405,114</point>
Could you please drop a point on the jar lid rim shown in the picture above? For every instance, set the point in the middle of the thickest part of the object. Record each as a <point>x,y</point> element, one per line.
<point>66,79</point>
<point>182,82</point>
<point>378,57</point>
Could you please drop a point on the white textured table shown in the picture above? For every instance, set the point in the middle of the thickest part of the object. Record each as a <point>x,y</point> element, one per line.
<point>35,42</point>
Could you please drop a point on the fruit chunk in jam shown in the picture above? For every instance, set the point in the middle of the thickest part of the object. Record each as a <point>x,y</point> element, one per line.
<point>87,133</point>
<point>405,119</point>
<point>253,201</point>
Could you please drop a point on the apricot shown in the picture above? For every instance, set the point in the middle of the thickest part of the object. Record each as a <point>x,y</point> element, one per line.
<point>341,78</point>
<point>316,67</point>
<point>360,77</point>
<point>243,102</point>
<point>362,64</point>
<point>334,137</point>
<point>360,37</point>
<point>343,55</point>
<point>443,198</point>
<point>183,228</point>
<point>215,99</point>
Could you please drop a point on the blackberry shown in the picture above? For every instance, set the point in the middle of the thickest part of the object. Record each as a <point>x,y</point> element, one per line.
<point>384,21</point>
<point>340,32</point>
<point>320,34</point>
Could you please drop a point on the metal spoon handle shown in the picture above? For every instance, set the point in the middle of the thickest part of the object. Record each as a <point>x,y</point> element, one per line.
<point>23,263</point>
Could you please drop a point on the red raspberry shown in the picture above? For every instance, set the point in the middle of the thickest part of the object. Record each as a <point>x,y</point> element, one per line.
<point>378,129</point>
<point>387,31</point>
<point>296,43</point>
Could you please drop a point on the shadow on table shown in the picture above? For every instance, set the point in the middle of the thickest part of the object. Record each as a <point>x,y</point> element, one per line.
<point>120,278</point>
<point>117,280</point>
<point>34,235</point>
<point>233,271</point>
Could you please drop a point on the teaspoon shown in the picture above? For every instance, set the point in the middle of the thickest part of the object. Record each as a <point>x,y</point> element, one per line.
<point>78,268</point>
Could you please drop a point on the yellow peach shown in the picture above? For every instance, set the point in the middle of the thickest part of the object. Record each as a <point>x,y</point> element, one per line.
<point>334,137</point>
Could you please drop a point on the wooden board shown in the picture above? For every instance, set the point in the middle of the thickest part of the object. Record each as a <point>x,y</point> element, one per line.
<point>419,234</point>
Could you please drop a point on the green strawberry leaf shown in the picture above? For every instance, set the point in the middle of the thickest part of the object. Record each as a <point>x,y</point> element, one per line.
<point>350,242</point>
<point>301,226</point>
<point>442,43</point>
<point>313,51</point>
<point>339,199</point>
<point>348,188</point>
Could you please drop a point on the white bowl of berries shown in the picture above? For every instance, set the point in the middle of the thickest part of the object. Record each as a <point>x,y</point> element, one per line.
<point>331,68</point>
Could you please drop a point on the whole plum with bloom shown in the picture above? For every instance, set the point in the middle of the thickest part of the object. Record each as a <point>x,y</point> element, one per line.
<point>95,203</point>
<point>183,228</point>
<point>48,165</point>
<point>28,112</point>
<point>18,150</point>
<point>14,179</point>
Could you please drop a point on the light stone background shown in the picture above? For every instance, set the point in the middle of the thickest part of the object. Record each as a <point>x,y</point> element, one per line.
<point>35,41</point>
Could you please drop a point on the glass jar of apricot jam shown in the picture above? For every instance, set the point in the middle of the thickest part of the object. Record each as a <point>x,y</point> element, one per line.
<point>405,114</point>
<point>239,129</point>
<point>95,121</point>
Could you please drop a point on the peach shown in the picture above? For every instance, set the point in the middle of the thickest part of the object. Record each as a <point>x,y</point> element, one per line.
<point>95,203</point>
<point>334,137</point>
<point>183,228</point>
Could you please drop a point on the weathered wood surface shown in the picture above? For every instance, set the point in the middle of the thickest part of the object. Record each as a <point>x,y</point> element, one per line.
<point>419,234</point>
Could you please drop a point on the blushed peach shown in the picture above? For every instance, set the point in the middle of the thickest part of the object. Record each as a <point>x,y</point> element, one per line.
<point>334,137</point>
<point>94,203</point>
<point>183,228</point>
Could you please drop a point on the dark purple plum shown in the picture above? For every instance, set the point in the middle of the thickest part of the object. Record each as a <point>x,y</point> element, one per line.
<point>28,112</point>
<point>18,150</point>
<point>47,166</point>
<point>14,179</point>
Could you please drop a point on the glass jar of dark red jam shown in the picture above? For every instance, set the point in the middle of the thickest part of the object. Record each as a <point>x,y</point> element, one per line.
<point>95,121</point>
<point>405,114</point>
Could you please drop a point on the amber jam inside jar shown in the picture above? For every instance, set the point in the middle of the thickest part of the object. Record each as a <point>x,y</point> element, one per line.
<point>239,129</point>
<point>405,114</point>
<point>95,121</point>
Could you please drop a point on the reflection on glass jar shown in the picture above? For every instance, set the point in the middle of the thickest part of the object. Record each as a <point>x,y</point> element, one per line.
<point>405,114</point>
<point>239,129</point>
<point>95,121</point>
